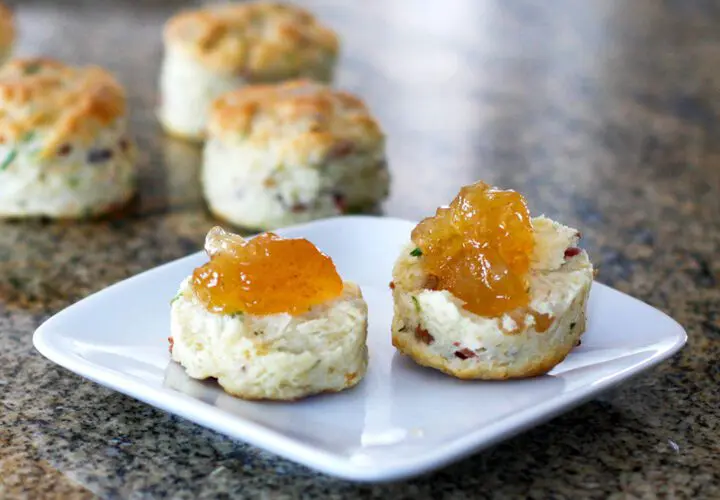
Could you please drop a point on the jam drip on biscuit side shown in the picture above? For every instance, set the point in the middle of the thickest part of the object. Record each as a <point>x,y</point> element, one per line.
<point>265,275</point>
<point>479,249</point>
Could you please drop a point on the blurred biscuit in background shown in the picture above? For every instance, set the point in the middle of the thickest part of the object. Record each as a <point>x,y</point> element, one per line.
<point>220,48</point>
<point>64,149</point>
<point>287,153</point>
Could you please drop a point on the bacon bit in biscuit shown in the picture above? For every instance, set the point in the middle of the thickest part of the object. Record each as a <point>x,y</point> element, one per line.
<point>339,200</point>
<point>432,282</point>
<point>64,150</point>
<point>465,354</point>
<point>124,145</point>
<point>572,252</point>
<point>392,285</point>
<point>244,73</point>
<point>423,335</point>
<point>341,149</point>
<point>456,344</point>
<point>172,343</point>
<point>578,343</point>
<point>350,377</point>
<point>269,182</point>
<point>298,208</point>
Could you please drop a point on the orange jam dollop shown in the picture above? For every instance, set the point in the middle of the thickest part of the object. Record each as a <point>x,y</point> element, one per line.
<point>479,249</point>
<point>264,275</point>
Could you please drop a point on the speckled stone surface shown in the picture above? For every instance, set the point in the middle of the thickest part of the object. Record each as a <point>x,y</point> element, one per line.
<point>604,112</point>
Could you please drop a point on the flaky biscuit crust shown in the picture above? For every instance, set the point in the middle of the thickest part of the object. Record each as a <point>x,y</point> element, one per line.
<point>288,153</point>
<point>67,104</point>
<point>539,365</point>
<point>273,357</point>
<point>313,116</point>
<point>260,40</point>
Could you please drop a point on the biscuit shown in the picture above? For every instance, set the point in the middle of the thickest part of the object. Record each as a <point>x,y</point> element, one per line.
<point>276,356</point>
<point>432,327</point>
<point>283,154</point>
<point>220,48</point>
<point>64,149</point>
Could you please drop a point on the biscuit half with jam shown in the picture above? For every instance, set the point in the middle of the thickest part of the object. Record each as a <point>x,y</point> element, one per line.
<point>269,318</point>
<point>484,291</point>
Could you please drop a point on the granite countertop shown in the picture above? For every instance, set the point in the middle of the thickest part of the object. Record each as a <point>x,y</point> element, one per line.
<point>603,112</point>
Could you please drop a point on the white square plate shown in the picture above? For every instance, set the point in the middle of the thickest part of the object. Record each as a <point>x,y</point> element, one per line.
<point>402,420</point>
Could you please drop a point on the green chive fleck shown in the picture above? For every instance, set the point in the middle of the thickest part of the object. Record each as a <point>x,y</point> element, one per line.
<point>416,253</point>
<point>238,314</point>
<point>8,160</point>
<point>31,69</point>
<point>179,294</point>
<point>29,136</point>
<point>417,303</point>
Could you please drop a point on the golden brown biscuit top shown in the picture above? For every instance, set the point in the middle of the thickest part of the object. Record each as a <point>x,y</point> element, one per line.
<point>259,39</point>
<point>7,27</point>
<point>310,117</point>
<point>65,104</point>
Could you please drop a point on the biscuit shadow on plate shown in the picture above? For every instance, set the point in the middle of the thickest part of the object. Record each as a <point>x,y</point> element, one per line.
<point>437,395</point>
<point>206,390</point>
<point>333,422</point>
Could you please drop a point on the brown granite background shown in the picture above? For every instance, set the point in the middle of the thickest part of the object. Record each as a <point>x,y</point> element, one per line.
<point>604,112</point>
